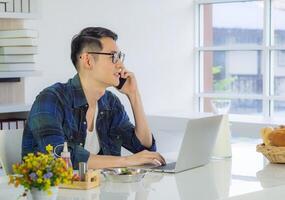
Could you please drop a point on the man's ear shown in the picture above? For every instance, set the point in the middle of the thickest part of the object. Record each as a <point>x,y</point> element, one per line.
<point>86,59</point>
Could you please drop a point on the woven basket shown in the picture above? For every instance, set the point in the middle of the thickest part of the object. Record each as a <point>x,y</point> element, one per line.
<point>272,153</point>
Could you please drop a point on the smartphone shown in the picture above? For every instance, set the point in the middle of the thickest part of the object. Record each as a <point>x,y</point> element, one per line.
<point>121,84</point>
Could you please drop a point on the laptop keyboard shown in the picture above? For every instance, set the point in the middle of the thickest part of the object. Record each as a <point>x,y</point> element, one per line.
<point>168,166</point>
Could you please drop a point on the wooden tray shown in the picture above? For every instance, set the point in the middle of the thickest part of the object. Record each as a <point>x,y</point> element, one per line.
<point>272,153</point>
<point>92,180</point>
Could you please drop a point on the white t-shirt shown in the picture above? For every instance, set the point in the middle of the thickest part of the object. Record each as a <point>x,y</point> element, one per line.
<point>92,142</point>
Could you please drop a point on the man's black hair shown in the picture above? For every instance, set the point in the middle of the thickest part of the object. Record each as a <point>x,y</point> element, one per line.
<point>89,37</point>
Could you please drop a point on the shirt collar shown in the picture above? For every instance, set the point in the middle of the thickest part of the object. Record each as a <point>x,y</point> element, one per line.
<point>79,98</point>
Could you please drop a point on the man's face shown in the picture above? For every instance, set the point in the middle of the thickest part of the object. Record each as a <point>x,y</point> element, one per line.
<point>104,70</point>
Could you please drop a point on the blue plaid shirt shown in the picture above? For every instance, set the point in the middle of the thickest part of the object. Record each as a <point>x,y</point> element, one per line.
<point>59,114</point>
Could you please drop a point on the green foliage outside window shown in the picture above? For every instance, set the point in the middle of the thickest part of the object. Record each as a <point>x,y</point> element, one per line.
<point>221,85</point>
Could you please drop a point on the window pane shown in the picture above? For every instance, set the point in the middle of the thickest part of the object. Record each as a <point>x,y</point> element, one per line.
<point>278,61</point>
<point>232,71</point>
<point>232,23</point>
<point>278,22</point>
<point>238,106</point>
<point>279,109</point>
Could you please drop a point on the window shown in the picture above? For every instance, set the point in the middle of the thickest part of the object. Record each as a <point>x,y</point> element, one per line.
<point>241,55</point>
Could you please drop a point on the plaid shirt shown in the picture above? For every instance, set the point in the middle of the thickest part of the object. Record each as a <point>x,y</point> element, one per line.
<point>59,114</point>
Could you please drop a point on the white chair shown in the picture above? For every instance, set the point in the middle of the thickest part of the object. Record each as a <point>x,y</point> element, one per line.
<point>10,148</point>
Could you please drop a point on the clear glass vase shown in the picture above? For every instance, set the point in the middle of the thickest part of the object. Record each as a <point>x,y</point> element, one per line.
<point>221,106</point>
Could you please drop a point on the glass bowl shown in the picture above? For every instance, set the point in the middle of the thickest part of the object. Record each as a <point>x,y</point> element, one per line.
<point>124,175</point>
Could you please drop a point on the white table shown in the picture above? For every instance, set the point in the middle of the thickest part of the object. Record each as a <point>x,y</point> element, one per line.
<point>246,176</point>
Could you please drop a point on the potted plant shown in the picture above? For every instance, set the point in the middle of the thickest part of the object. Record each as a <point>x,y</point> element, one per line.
<point>221,105</point>
<point>41,174</point>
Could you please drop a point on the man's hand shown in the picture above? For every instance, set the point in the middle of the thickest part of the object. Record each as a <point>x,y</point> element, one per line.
<point>145,157</point>
<point>130,86</point>
<point>141,158</point>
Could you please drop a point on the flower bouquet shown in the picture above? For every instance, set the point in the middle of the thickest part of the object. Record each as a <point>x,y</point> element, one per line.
<point>41,172</point>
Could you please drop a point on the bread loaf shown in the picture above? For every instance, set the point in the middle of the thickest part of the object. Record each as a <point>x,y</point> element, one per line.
<point>265,132</point>
<point>277,138</point>
<point>274,137</point>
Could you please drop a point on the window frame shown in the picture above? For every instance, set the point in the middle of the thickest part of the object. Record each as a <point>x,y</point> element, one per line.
<point>266,48</point>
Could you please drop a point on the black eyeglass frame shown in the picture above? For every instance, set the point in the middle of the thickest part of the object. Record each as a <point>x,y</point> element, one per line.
<point>116,56</point>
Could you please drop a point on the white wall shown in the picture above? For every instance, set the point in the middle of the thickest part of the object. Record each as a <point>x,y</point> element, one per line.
<point>157,37</point>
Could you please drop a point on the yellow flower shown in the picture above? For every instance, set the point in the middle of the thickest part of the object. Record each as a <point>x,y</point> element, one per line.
<point>30,155</point>
<point>39,173</point>
<point>47,182</point>
<point>49,148</point>
<point>29,165</point>
<point>35,163</point>
<point>57,181</point>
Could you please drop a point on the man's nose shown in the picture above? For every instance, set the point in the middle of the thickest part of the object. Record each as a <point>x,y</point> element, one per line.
<point>119,64</point>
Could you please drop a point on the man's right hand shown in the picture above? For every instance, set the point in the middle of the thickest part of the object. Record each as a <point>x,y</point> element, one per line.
<point>145,157</point>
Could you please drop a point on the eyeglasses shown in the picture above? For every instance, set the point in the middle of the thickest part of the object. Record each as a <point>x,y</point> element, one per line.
<point>116,56</point>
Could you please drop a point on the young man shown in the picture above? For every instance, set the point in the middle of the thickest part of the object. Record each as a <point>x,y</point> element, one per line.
<point>87,116</point>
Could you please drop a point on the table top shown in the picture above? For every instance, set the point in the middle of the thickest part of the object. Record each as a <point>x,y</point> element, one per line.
<point>247,175</point>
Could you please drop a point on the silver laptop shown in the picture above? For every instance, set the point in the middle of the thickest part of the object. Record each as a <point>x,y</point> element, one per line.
<point>197,145</point>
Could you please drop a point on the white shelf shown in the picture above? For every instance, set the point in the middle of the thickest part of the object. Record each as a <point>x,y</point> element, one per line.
<point>15,74</point>
<point>12,108</point>
<point>11,15</point>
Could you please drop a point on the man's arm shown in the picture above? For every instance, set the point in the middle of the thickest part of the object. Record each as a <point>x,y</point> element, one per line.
<point>141,158</point>
<point>142,129</point>
<point>45,122</point>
